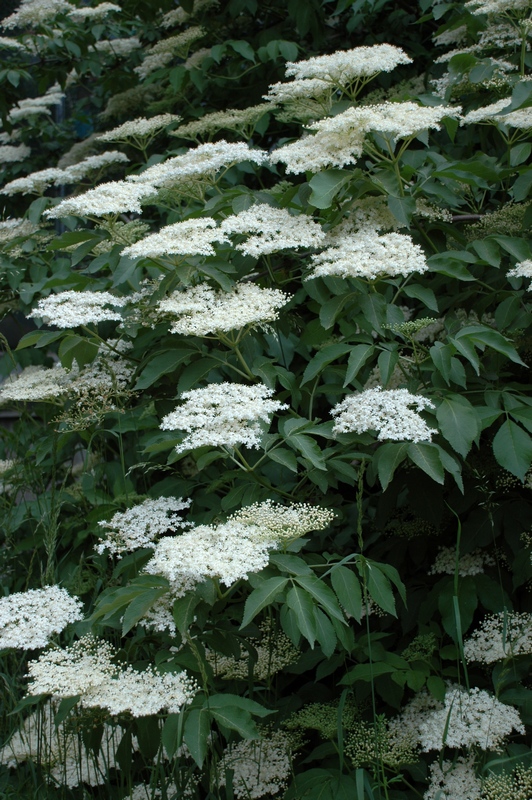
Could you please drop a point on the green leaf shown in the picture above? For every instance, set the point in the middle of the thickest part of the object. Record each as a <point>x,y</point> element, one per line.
<point>326,185</point>
<point>422,293</point>
<point>302,605</point>
<point>482,335</point>
<point>512,447</point>
<point>466,348</point>
<point>325,633</point>
<point>261,597</point>
<point>387,362</point>
<point>243,48</point>
<point>357,358</point>
<point>183,612</point>
<point>458,422</point>
<point>427,458</point>
<point>347,587</point>
<point>39,339</point>
<point>387,459</point>
<point>139,607</point>
<point>488,250</point>
<point>162,364</point>
<point>379,587</point>
<point>402,208</point>
<point>236,719</point>
<point>322,594</point>
<point>309,449</point>
<point>291,564</point>
<point>367,672</point>
<point>285,457</point>
<point>441,355</point>
<point>196,734</point>
<point>323,357</point>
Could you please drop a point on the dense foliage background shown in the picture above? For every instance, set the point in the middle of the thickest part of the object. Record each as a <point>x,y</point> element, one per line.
<point>377,642</point>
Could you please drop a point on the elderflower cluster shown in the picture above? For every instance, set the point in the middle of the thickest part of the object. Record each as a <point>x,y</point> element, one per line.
<point>261,768</point>
<point>473,563</point>
<point>35,12</point>
<point>34,183</point>
<point>202,310</point>
<point>521,270</point>
<point>199,162</point>
<point>272,652</point>
<point>56,748</point>
<point>139,129</point>
<point>496,6</point>
<point>76,172</point>
<point>70,309</point>
<point>516,785</point>
<point>120,48</point>
<point>274,229</point>
<point>285,522</point>
<point>13,228</point>
<point>227,552</point>
<point>91,14</point>
<point>164,51</point>
<point>340,140</point>
<point>344,67</point>
<point>115,197</point>
<point>142,524</point>
<point>369,255</point>
<point>190,237</point>
<point>35,383</point>
<point>520,118</point>
<point>367,744</point>
<point>37,105</point>
<point>387,412</point>
<point>87,669</point>
<point>222,414</point>
<point>232,119</point>
<point>13,44</point>
<point>500,636</point>
<point>468,719</point>
<point>29,619</point>
<point>12,153</point>
<point>450,780</point>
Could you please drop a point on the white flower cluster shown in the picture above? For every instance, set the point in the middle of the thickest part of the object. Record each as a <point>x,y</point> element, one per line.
<point>202,310</point>
<point>87,669</point>
<point>120,48</point>
<point>76,172</point>
<point>35,12</point>
<point>109,373</point>
<point>453,780</point>
<point>190,237</point>
<point>12,153</point>
<point>225,414</point>
<point>468,719</point>
<point>473,563</point>
<point>70,309</point>
<point>274,228</point>
<point>521,270</point>
<point>311,88</point>
<point>34,183</point>
<point>142,524</point>
<point>199,162</point>
<point>340,140</point>
<point>90,14</point>
<point>273,652</point>
<point>164,51</point>
<point>139,128</point>
<point>387,412</point>
<point>227,552</point>
<point>369,255</point>
<point>29,619</point>
<point>37,105</point>
<point>260,768</point>
<point>496,6</point>
<point>285,522</point>
<point>345,66</point>
<point>500,636</point>
<point>232,119</point>
<point>35,383</point>
<point>58,749</point>
<point>115,197</point>
<point>14,44</point>
<point>13,228</point>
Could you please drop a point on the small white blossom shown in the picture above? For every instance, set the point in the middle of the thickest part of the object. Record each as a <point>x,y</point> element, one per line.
<point>496,6</point>
<point>89,14</point>
<point>454,780</point>
<point>500,636</point>
<point>72,671</point>
<point>521,270</point>
<point>35,12</point>
<point>139,128</point>
<point>120,47</point>
<point>274,228</point>
<point>12,153</point>
<point>29,619</point>
<point>190,237</point>
<point>387,412</point>
<point>76,172</point>
<point>37,105</point>
<point>369,255</point>
<point>225,414</point>
<point>260,768</point>
<point>299,89</point>
<point>233,119</point>
<point>164,51</point>
<point>142,524</point>
<point>116,197</point>
<point>345,66</point>
<point>473,563</point>
<point>70,309</point>
<point>142,693</point>
<point>34,183</point>
<point>202,310</point>
<point>35,383</point>
<point>285,522</point>
<point>13,228</point>
<point>273,650</point>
